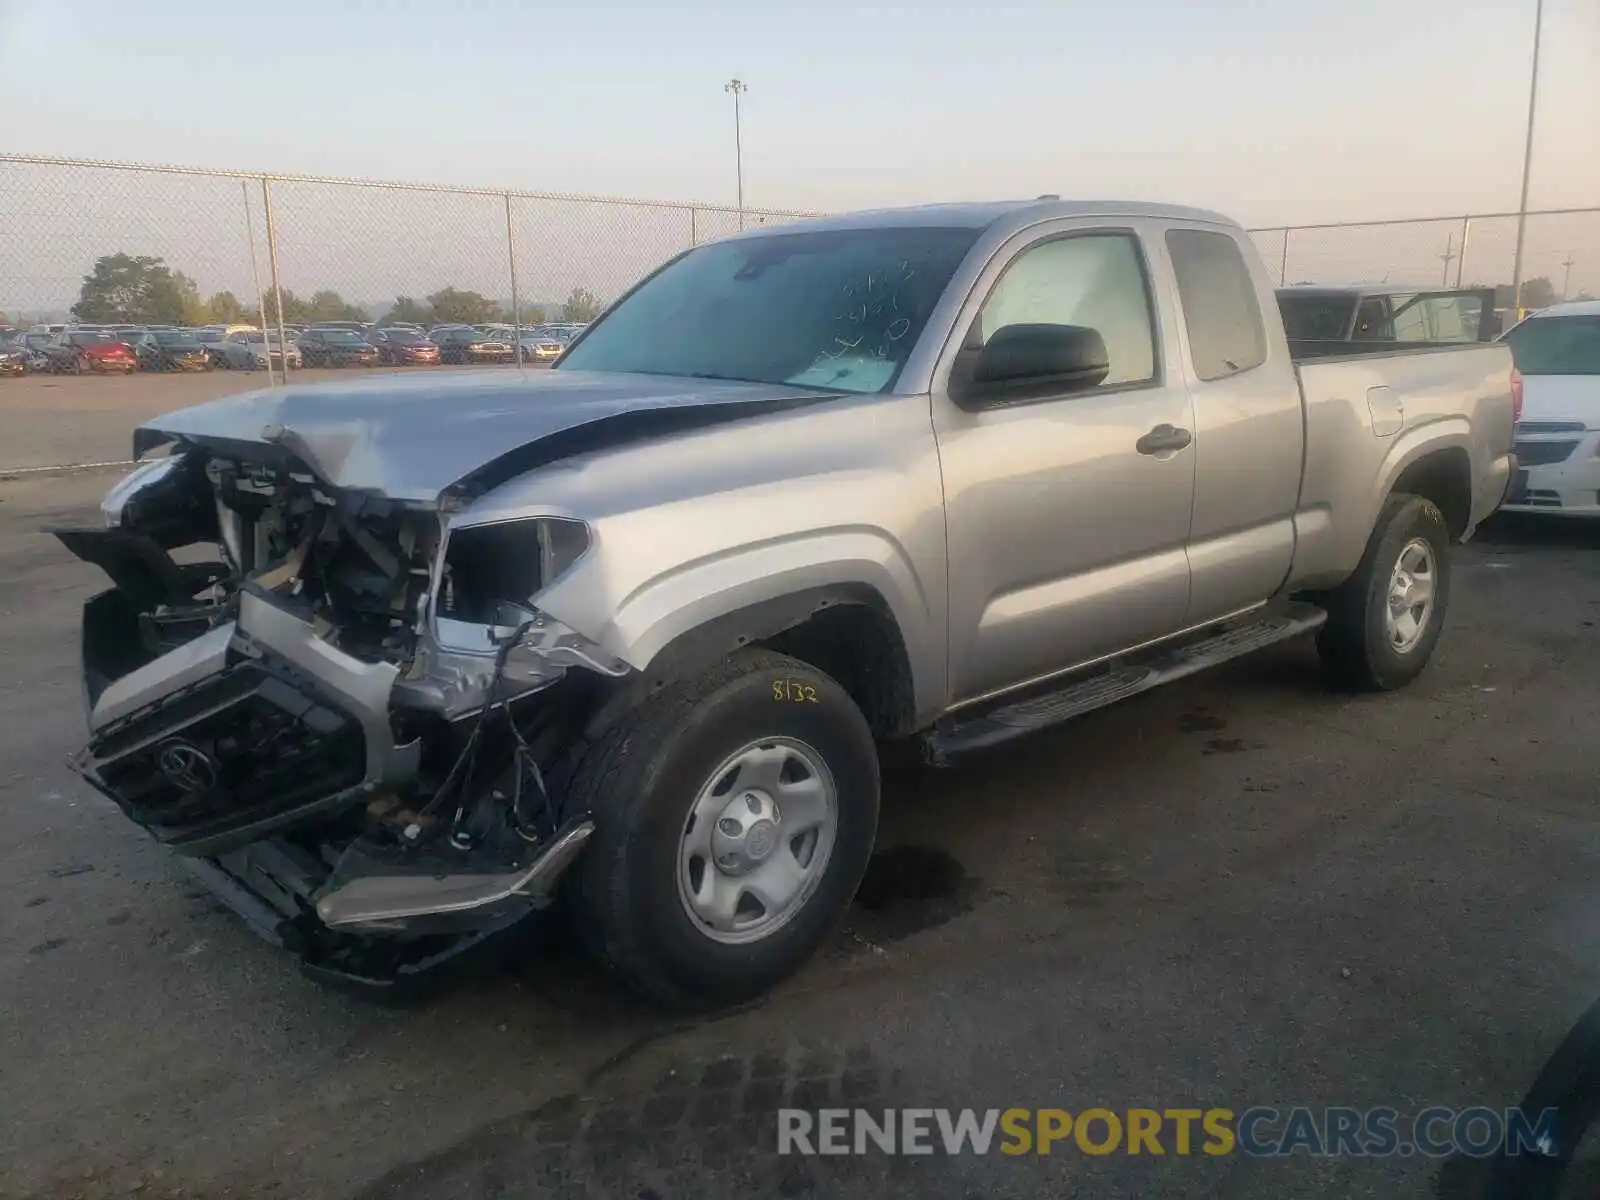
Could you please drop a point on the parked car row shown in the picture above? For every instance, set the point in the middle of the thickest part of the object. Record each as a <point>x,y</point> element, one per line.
<point>103,349</point>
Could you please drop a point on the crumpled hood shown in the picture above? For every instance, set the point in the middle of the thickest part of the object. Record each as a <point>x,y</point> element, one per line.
<point>411,437</point>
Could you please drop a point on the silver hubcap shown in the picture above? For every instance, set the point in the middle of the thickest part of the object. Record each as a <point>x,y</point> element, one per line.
<point>757,840</point>
<point>1411,592</point>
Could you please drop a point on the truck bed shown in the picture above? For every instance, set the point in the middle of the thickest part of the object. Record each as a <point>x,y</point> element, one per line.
<point>1462,392</point>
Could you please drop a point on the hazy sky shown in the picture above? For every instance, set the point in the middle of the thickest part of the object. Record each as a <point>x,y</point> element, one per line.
<point>1289,111</point>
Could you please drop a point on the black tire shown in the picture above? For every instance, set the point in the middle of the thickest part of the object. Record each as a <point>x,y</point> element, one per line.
<point>1355,646</point>
<point>640,779</point>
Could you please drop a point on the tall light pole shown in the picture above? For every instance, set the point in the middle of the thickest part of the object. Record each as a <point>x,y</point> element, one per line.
<point>1527,163</point>
<point>737,87</point>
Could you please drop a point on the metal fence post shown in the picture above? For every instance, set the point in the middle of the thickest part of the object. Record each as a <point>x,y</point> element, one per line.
<point>255,274</point>
<point>272,266</point>
<point>516,300</point>
<point>1283,262</point>
<point>694,227</point>
<point>1466,234</point>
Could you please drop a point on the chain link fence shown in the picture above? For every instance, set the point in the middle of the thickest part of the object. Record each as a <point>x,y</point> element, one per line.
<point>77,238</point>
<point>113,243</point>
<point>1560,259</point>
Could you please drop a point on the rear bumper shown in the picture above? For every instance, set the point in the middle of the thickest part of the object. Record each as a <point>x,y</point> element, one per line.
<point>1568,487</point>
<point>342,360</point>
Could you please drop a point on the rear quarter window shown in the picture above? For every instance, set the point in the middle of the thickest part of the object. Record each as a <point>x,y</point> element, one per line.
<point>1220,308</point>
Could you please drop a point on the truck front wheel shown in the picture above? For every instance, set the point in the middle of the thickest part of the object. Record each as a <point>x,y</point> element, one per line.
<point>1384,621</point>
<point>734,813</point>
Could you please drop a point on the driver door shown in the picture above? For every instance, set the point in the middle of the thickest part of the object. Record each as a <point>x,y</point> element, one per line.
<point>1067,515</point>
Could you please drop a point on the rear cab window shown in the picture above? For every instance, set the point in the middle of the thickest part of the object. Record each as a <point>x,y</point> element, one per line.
<point>1221,310</point>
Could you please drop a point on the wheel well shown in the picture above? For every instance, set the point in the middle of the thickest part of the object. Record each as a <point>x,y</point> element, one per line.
<point>846,632</point>
<point>1444,477</point>
<point>859,645</point>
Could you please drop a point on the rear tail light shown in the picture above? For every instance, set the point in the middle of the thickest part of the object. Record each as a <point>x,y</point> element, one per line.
<point>1516,395</point>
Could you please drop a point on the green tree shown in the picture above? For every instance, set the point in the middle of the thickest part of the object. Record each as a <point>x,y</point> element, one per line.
<point>535,314</point>
<point>226,309</point>
<point>581,306</point>
<point>330,306</point>
<point>408,310</point>
<point>1537,292</point>
<point>453,307</point>
<point>194,308</point>
<point>294,308</point>
<point>133,290</point>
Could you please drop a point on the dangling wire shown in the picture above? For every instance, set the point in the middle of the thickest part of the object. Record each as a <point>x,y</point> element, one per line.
<point>468,756</point>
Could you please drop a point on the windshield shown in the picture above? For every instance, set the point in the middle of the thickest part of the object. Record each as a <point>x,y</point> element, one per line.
<point>1316,318</point>
<point>208,335</point>
<point>838,309</point>
<point>337,335</point>
<point>1557,346</point>
<point>403,337</point>
<point>173,339</point>
<point>93,339</point>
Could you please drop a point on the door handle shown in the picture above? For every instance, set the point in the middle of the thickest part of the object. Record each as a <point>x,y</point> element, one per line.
<point>1163,439</point>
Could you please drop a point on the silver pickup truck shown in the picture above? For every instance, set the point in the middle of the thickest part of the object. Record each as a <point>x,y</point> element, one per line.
<point>435,651</point>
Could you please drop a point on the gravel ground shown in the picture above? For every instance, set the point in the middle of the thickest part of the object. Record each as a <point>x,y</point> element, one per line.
<point>1237,890</point>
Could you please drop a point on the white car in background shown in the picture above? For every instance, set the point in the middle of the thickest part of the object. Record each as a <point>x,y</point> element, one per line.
<point>246,350</point>
<point>1557,352</point>
<point>542,345</point>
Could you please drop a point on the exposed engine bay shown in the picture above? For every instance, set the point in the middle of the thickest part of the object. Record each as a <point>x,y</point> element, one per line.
<point>341,709</point>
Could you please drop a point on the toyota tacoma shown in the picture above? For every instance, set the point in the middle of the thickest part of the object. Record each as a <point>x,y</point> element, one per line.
<point>393,663</point>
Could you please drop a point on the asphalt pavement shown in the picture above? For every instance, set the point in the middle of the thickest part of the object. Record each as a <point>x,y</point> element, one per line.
<point>1239,890</point>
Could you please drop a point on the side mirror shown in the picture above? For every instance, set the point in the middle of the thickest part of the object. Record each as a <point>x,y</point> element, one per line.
<point>1022,361</point>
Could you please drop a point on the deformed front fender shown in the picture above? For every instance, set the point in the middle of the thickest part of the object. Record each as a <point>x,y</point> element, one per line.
<point>753,592</point>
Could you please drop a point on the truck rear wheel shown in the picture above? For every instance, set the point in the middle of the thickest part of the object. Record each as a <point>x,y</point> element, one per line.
<point>1384,621</point>
<point>735,813</point>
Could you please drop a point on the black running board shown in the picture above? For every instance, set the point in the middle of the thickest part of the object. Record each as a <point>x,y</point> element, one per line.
<point>962,735</point>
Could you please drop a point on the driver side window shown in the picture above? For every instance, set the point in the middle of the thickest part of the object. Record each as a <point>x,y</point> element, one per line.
<point>1094,280</point>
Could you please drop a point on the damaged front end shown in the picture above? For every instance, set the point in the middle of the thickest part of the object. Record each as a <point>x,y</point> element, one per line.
<point>340,709</point>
